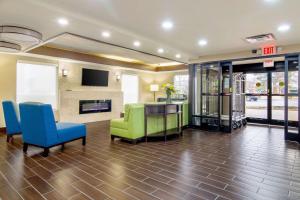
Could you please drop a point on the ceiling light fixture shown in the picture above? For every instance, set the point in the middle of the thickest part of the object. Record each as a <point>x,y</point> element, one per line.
<point>178,55</point>
<point>63,21</point>
<point>284,28</point>
<point>8,47</point>
<point>136,43</point>
<point>167,25</point>
<point>18,35</point>
<point>271,1</point>
<point>106,34</point>
<point>202,42</point>
<point>160,50</point>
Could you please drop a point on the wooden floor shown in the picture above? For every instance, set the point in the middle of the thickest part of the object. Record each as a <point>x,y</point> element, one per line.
<point>255,163</point>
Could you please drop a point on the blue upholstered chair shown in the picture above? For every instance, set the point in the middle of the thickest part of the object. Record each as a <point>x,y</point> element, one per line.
<point>11,119</point>
<point>39,128</point>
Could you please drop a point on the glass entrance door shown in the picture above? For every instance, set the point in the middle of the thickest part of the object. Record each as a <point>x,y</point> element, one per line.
<point>257,97</point>
<point>277,97</point>
<point>265,97</point>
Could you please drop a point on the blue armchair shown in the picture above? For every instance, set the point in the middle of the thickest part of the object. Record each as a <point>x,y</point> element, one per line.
<point>11,120</point>
<point>39,128</point>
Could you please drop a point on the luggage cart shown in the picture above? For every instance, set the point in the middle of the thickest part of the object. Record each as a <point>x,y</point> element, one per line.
<point>238,101</point>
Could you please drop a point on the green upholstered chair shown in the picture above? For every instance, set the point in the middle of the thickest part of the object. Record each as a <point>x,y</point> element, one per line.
<point>131,127</point>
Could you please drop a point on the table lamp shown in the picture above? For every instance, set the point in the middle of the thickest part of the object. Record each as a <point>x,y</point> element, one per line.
<point>154,88</point>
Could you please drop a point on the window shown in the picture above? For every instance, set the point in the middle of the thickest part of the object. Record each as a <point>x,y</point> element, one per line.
<point>181,84</point>
<point>130,88</point>
<point>37,83</point>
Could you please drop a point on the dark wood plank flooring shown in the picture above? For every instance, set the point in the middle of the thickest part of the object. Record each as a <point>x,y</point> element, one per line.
<point>253,163</point>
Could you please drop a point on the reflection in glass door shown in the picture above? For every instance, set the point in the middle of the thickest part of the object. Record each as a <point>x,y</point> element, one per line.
<point>256,89</point>
<point>278,98</point>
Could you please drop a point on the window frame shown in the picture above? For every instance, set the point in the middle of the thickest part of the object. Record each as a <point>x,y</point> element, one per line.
<point>45,64</point>
<point>138,86</point>
<point>186,75</point>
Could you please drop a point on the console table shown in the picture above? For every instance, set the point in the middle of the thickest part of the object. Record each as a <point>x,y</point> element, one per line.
<point>164,110</point>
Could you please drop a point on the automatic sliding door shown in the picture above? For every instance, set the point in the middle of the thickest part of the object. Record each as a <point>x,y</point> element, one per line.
<point>277,98</point>
<point>256,104</point>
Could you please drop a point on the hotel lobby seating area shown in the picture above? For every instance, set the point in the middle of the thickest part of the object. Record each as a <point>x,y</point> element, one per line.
<point>149,100</point>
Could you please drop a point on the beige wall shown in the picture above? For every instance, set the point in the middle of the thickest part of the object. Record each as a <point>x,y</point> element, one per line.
<point>73,80</point>
<point>8,63</point>
<point>243,54</point>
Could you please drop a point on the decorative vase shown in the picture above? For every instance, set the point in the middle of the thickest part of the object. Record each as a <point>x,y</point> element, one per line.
<point>169,99</point>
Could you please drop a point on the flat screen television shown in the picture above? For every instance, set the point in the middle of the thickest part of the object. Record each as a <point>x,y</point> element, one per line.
<point>92,77</point>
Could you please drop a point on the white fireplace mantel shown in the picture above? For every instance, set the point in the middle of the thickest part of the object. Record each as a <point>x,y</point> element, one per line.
<point>69,105</point>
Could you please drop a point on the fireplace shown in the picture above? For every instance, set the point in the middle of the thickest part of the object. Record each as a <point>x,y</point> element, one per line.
<point>94,106</point>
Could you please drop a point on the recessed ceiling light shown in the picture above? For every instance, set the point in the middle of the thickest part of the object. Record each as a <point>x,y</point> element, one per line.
<point>136,43</point>
<point>202,42</point>
<point>271,1</point>
<point>160,50</point>
<point>178,55</point>
<point>167,25</point>
<point>284,28</point>
<point>106,34</point>
<point>63,21</point>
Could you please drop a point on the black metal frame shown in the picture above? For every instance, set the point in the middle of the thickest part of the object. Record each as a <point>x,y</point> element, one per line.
<point>220,95</point>
<point>295,56</point>
<point>223,65</point>
<point>287,134</point>
<point>163,110</point>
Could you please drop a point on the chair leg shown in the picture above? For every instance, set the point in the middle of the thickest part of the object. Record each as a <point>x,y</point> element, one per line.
<point>62,147</point>
<point>8,138</point>
<point>134,142</point>
<point>83,141</point>
<point>25,147</point>
<point>46,152</point>
<point>112,137</point>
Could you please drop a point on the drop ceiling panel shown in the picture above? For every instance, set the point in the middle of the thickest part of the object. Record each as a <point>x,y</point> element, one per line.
<point>83,45</point>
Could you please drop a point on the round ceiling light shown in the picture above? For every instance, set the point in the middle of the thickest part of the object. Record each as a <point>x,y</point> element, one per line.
<point>19,34</point>
<point>167,25</point>
<point>8,47</point>
<point>136,43</point>
<point>284,28</point>
<point>202,42</point>
<point>160,50</point>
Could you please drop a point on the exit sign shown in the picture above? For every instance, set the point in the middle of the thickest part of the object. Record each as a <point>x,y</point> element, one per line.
<point>269,50</point>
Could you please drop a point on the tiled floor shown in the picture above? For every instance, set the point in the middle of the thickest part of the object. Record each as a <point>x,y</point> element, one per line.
<point>255,163</point>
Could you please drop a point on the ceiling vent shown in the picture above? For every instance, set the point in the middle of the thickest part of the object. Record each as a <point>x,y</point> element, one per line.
<point>261,38</point>
<point>9,47</point>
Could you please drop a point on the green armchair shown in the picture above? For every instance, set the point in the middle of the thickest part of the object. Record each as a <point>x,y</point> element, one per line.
<point>131,127</point>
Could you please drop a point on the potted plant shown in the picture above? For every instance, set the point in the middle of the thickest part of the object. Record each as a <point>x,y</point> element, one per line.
<point>169,89</point>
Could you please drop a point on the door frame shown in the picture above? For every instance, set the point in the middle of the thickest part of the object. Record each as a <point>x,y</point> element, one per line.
<point>286,56</point>
<point>287,134</point>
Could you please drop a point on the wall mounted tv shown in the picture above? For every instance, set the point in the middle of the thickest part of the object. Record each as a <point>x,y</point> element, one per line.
<point>92,77</point>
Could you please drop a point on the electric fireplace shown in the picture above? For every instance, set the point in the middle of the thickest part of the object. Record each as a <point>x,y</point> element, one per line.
<point>94,106</point>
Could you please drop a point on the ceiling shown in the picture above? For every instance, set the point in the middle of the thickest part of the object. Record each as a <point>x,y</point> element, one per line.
<point>224,24</point>
<point>84,45</point>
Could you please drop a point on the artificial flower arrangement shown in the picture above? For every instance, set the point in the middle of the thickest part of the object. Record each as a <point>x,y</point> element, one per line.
<point>169,89</point>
